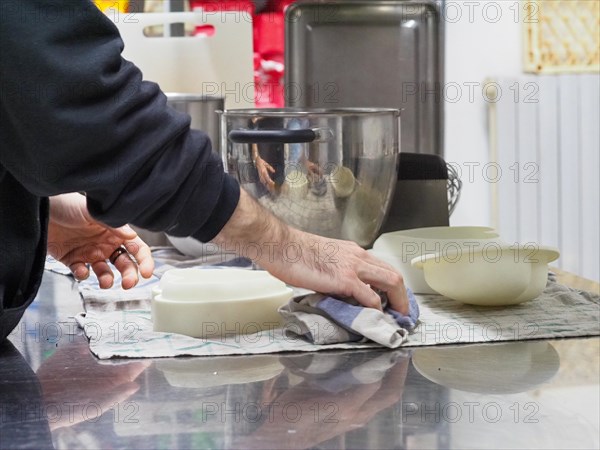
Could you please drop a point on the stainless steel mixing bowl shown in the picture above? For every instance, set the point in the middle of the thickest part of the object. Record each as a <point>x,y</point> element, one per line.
<point>202,110</point>
<point>330,172</point>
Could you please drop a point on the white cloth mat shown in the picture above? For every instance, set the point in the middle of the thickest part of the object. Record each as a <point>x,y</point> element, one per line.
<point>118,322</point>
<point>558,313</point>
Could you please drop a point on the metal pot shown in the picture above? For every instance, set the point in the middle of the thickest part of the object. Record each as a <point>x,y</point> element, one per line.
<point>203,111</point>
<point>326,171</point>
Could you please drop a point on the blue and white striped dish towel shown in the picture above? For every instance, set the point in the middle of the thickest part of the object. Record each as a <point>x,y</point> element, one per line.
<point>322,319</point>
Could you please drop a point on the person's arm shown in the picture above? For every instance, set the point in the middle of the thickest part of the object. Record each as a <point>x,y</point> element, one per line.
<point>77,117</point>
<point>307,260</point>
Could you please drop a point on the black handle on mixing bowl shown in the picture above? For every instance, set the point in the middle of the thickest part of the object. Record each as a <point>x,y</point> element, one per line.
<point>272,136</point>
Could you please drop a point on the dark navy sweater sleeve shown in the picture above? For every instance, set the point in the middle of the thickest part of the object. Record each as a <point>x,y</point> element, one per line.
<point>76,116</point>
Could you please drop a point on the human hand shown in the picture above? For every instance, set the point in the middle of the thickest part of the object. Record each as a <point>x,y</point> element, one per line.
<point>76,239</point>
<point>330,266</point>
<point>338,267</point>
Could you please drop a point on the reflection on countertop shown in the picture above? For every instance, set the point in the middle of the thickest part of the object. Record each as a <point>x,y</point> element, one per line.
<point>55,393</point>
<point>501,368</point>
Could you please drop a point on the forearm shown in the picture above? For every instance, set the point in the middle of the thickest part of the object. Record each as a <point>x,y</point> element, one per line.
<point>306,260</point>
<point>253,225</point>
<point>296,257</point>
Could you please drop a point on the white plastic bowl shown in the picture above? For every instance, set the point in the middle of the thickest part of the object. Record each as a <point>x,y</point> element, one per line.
<point>500,275</point>
<point>212,303</point>
<point>400,247</point>
<point>193,247</point>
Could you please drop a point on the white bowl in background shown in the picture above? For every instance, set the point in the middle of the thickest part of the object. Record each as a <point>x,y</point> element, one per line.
<point>209,303</point>
<point>400,247</point>
<point>208,253</point>
<point>193,247</point>
<point>498,276</point>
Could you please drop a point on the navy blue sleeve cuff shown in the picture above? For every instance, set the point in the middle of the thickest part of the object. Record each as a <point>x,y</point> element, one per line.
<point>228,200</point>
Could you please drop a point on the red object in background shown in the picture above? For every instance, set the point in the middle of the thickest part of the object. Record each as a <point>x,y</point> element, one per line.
<point>269,34</point>
<point>268,44</point>
<point>269,41</point>
<point>268,38</point>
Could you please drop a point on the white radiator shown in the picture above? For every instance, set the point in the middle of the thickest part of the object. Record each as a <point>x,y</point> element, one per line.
<point>545,141</point>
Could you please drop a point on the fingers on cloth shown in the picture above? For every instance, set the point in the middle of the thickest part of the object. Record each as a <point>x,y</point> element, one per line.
<point>366,296</point>
<point>143,256</point>
<point>389,281</point>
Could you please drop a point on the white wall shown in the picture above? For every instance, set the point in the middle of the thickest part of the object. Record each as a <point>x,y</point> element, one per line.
<point>477,47</point>
<point>555,116</point>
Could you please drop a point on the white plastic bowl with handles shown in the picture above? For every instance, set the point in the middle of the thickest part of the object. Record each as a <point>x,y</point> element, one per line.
<point>498,276</point>
<point>398,248</point>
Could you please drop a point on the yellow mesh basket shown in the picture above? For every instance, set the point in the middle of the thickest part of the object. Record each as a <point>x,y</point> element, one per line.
<point>562,35</point>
